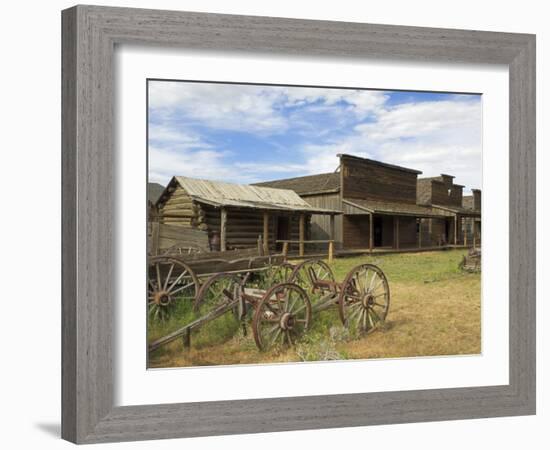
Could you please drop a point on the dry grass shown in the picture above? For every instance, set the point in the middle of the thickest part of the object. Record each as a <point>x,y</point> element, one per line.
<point>435,310</point>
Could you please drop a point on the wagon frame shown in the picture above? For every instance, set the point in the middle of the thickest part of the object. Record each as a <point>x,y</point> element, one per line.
<point>284,310</point>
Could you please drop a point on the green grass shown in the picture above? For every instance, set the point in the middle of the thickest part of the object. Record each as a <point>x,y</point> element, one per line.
<point>434,310</point>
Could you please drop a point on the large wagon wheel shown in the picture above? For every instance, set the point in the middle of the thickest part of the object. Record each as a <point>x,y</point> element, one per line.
<point>282,316</point>
<point>315,276</point>
<point>169,280</point>
<point>364,299</point>
<point>280,273</point>
<point>220,289</point>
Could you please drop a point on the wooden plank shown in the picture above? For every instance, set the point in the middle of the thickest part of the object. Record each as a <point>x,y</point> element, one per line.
<point>154,238</point>
<point>266,232</point>
<point>302,227</point>
<point>223,230</point>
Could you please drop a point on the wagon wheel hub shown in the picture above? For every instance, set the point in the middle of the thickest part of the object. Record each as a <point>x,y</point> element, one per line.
<point>162,298</point>
<point>368,300</point>
<point>287,321</point>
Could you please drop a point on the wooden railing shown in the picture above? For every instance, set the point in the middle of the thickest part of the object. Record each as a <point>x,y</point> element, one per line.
<point>301,246</point>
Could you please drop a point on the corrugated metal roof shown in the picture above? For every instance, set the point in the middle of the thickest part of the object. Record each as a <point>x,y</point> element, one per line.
<point>362,206</point>
<point>219,193</point>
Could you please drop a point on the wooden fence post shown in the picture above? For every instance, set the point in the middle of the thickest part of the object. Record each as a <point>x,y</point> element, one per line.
<point>285,250</point>
<point>330,251</point>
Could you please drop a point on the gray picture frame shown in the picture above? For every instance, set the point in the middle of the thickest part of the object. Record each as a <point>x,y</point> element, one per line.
<point>90,34</point>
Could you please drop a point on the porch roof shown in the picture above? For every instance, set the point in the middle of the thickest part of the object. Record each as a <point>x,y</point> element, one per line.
<point>362,206</point>
<point>457,210</point>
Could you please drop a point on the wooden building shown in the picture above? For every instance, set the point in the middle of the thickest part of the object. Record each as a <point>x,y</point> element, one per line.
<point>471,226</point>
<point>378,201</point>
<point>445,197</point>
<point>234,215</point>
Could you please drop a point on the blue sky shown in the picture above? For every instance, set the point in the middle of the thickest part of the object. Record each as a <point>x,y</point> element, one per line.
<point>250,133</point>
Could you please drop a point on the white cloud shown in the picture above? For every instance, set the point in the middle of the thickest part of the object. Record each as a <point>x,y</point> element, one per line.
<point>164,163</point>
<point>434,137</point>
<point>174,135</point>
<point>254,108</point>
<point>431,136</point>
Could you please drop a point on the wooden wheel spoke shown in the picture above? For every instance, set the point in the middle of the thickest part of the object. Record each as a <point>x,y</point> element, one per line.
<point>181,288</point>
<point>354,313</point>
<point>288,337</point>
<point>177,280</point>
<point>376,316</point>
<point>275,337</point>
<point>168,276</point>
<point>159,284</point>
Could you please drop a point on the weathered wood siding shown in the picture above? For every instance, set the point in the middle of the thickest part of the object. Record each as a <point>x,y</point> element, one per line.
<point>161,237</point>
<point>471,228</point>
<point>433,232</point>
<point>368,180</point>
<point>443,195</point>
<point>356,231</point>
<point>424,191</point>
<point>407,232</point>
<point>320,224</point>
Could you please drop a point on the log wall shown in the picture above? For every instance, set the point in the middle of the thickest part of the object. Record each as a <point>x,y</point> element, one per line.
<point>178,209</point>
<point>244,226</point>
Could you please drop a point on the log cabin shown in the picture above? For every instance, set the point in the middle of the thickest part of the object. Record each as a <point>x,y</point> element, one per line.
<point>234,216</point>
<point>378,201</point>
<point>456,224</point>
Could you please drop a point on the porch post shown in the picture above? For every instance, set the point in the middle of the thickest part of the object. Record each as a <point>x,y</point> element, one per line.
<point>302,231</point>
<point>331,229</point>
<point>266,233</point>
<point>371,232</point>
<point>397,232</point>
<point>223,230</point>
<point>419,221</point>
<point>456,228</point>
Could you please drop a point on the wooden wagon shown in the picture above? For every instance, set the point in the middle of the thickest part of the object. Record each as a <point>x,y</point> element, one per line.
<point>282,312</point>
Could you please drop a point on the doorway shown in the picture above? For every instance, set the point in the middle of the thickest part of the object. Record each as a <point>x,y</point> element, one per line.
<point>377,233</point>
<point>283,231</point>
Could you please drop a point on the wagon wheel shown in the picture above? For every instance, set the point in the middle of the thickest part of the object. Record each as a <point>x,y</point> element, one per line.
<point>280,273</point>
<point>282,316</point>
<point>364,299</point>
<point>220,289</point>
<point>315,276</point>
<point>169,280</point>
